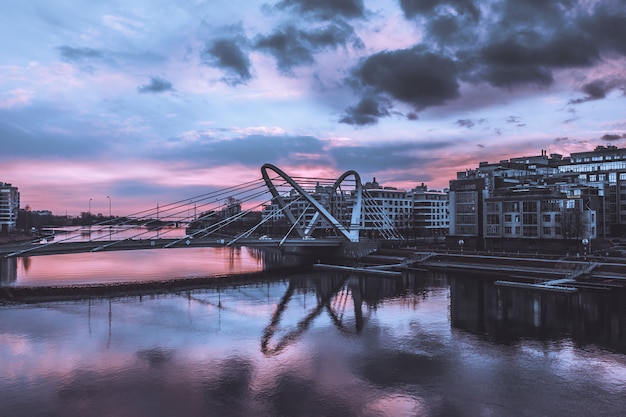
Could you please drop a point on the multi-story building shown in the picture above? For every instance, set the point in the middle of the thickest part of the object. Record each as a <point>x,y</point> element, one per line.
<point>430,215</point>
<point>535,202</point>
<point>466,199</point>
<point>603,168</point>
<point>9,207</point>
<point>386,204</point>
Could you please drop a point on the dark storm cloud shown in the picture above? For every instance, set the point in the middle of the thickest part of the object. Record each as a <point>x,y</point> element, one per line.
<point>412,8</point>
<point>613,137</point>
<point>505,43</point>
<point>413,76</point>
<point>366,112</point>
<point>515,14</point>
<point>72,54</point>
<point>447,30</point>
<point>598,89</point>
<point>469,123</point>
<point>514,120</point>
<point>292,47</point>
<point>325,9</point>
<point>529,58</point>
<point>525,41</point>
<point>229,54</point>
<point>465,123</point>
<point>156,85</point>
<point>607,25</point>
<point>595,90</point>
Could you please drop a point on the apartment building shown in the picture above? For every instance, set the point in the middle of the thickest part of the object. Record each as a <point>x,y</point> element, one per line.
<point>431,211</point>
<point>9,207</point>
<point>386,204</point>
<point>537,202</point>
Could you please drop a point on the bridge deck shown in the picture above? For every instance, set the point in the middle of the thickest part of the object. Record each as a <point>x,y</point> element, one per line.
<point>134,244</point>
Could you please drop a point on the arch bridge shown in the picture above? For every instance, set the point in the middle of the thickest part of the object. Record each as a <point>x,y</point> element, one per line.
<point>275,210</point>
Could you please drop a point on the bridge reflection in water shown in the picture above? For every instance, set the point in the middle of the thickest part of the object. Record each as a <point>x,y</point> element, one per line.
<point>315,343</point>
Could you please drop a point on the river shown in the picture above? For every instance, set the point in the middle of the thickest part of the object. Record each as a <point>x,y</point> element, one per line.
<point>310,344</point>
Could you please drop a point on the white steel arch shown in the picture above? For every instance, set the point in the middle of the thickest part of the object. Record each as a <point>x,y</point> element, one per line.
<point>351,233</point>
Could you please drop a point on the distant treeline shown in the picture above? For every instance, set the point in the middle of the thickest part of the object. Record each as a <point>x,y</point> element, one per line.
<point>27,220</point>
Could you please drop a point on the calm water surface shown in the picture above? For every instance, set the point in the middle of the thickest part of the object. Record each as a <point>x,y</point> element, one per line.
<point>317,344</point>
<point>128,266</point>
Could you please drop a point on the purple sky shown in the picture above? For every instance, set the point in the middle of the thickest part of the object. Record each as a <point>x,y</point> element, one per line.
<point>155,101</point>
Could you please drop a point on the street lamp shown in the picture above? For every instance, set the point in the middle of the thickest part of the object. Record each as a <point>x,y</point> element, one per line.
<point>110,225</point>
<point>585,242</point>
<point>89,214</point>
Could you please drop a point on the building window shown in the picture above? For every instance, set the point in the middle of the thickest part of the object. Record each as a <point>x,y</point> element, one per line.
<point>530,231</point>
<point>530,218</point>
<point>547,231</point>
<point>546,218</point>
<point>493,219</point>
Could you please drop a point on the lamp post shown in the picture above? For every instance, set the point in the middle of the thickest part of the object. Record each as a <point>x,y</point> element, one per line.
<point>89,214</point>
<point>109,217</point>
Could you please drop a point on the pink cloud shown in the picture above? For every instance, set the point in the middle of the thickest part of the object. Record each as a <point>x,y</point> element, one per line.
<point>18,97</point>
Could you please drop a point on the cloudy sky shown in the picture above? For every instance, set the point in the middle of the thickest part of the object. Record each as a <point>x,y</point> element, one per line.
<point>154,101</point>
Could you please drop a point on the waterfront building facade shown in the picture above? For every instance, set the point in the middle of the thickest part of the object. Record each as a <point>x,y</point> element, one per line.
<point>530,203</point>
<point>386,205</point>
<point>9,207</point>
<point>430,213</point>
<point>604,168</point>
